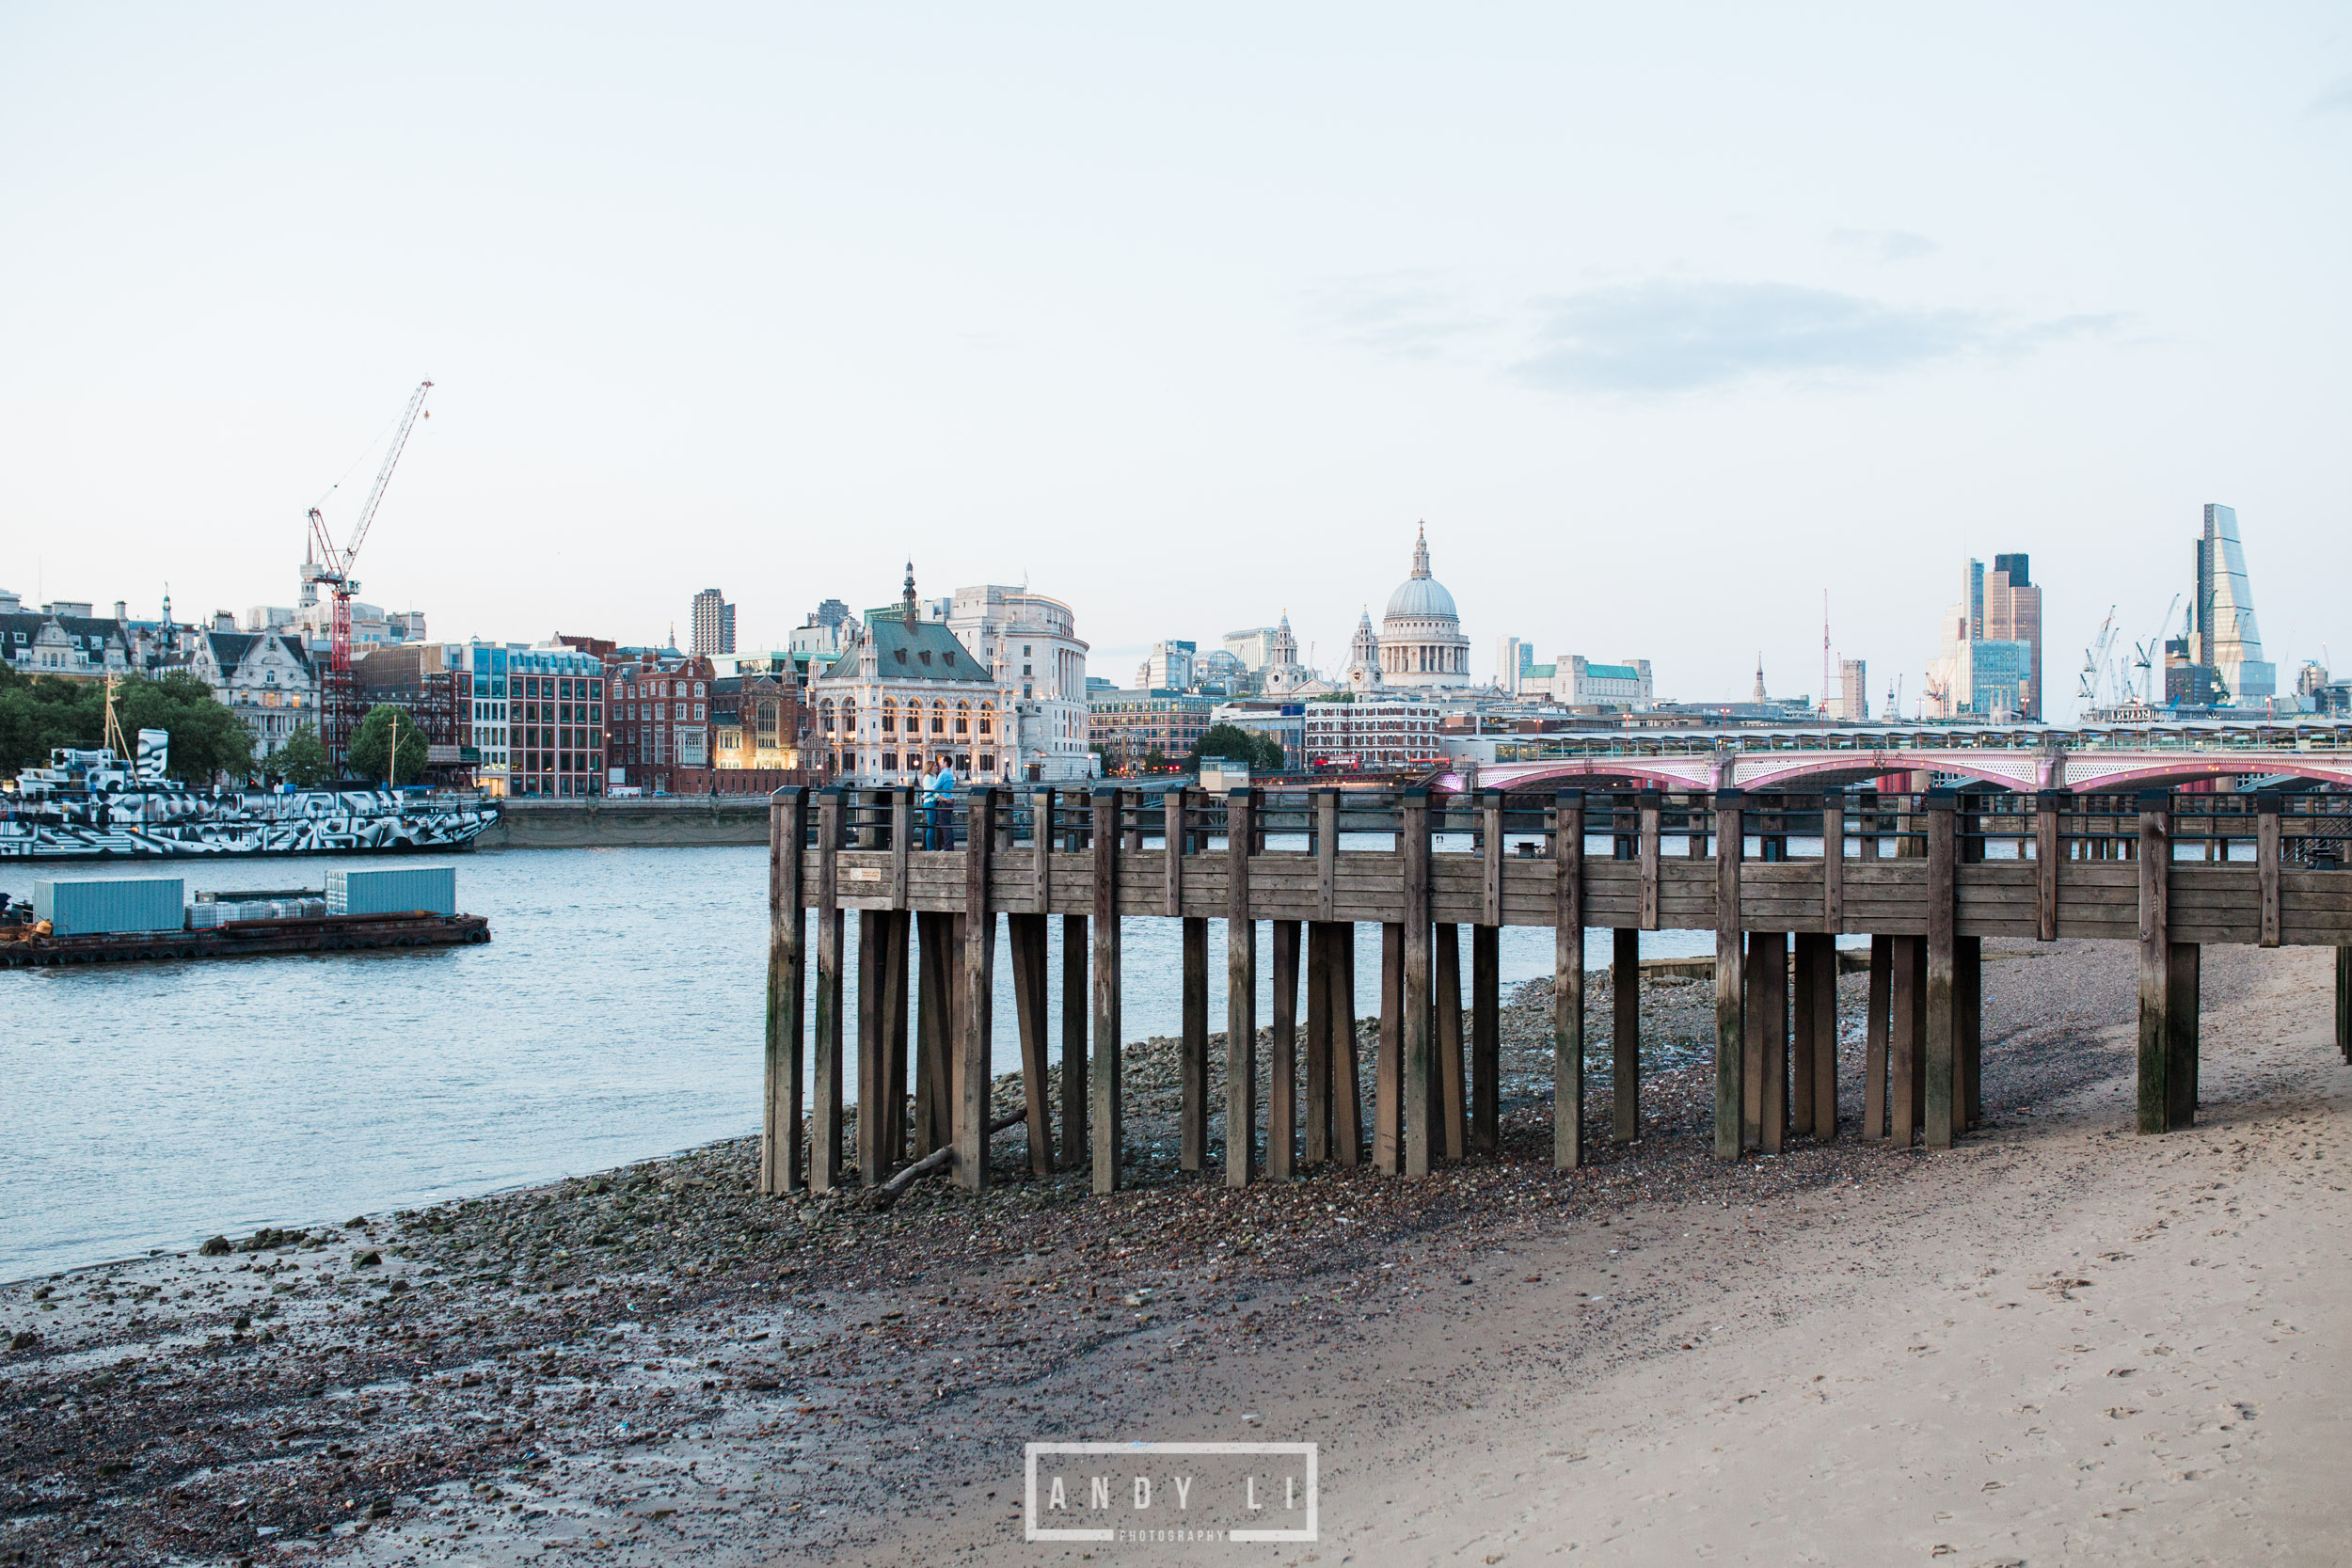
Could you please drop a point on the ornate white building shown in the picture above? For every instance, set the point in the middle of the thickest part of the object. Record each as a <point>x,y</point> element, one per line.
<point>1421,636</point>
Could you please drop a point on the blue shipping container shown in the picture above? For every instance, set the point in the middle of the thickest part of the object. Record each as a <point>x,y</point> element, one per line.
<point>88,908</point>
<point>393,891</point>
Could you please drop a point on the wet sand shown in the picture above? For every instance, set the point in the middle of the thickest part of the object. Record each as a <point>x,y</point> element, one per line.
<point>2058,1343</point>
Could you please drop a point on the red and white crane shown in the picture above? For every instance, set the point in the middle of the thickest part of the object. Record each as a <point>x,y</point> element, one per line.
<point>337,715</point>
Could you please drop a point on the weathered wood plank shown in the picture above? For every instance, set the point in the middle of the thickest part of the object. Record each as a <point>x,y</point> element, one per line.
<point>2266,862</point>
<point>1567,980</point>
<point>1625,1036</point>
<point>1420,1064</point>
<point>1192,1047</point>
<point>1730,977</point>
<point>974,1070</point>
<point>1649,805</point>
<point>1241,996</point>
<point>1347,1133</point>
<point>1485,1064</point>
<point>1108,1130</point>
<point>824,1167</point>
<point>782,1167</point>
<point>1877,1034</point>
<point>1318,1105</point>
<point>1388,1083</point>
<point>1946,1100</point>
<point>1281,1138</point>
<point>2155,979</point>
<point>1073,1042</point>
<point>1451,1110</point>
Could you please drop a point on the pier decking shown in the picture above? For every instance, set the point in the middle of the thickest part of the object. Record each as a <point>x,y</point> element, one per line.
<point>1776,877</point>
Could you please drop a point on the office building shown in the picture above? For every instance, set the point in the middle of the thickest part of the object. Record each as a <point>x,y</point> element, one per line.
<point>2222,633</point>
<point>714,623</point>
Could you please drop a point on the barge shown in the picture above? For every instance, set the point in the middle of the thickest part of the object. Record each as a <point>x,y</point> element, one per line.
<point>109,920</point>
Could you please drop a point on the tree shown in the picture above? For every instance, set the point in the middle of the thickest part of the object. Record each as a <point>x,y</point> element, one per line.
<point>302,760</point>
<point>1262,752</point>
<point>207,739</point>
<point>44,712</point>
<point>370,748</point>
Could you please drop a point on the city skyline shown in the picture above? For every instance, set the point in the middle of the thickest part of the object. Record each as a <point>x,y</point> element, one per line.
<point>1606,304</point>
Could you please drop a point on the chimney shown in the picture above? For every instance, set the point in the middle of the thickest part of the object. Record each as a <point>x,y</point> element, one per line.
<point>123,611</point>
<point>224,621</point>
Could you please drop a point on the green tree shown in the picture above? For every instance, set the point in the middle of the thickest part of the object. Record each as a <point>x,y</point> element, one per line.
<point>1262,752</point>
<point>302,760</point>
<point>207,739</point>
<point>372,747</point>
<point>43,712</point>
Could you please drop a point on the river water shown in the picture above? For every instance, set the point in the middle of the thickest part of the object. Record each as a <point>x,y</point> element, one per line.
<point>615,1015</point>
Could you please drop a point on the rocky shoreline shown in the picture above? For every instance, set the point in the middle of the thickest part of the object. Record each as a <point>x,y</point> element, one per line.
<point>632,1360</point>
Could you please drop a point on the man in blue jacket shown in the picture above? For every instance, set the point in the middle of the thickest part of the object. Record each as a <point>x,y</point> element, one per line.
<point>939,799</point>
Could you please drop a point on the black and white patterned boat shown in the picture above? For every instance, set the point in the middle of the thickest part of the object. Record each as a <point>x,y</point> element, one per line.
<point>89,805</point>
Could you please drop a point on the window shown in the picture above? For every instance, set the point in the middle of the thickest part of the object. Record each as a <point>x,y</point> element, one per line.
<point>926,656</point>
<point>901,652</point>
<point>698,710</point>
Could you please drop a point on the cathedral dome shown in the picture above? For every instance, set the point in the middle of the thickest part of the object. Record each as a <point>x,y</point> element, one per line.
<point>1421,639</point>
<point>1421,598</point>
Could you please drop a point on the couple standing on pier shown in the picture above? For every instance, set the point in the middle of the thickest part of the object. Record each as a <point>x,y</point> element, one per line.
<point>939,802</point>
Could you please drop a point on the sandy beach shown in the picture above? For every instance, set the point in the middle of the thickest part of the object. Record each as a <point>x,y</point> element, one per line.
<point>2058,1343</point>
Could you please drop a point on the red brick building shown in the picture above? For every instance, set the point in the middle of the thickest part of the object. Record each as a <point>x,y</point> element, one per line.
<point>658,723</point>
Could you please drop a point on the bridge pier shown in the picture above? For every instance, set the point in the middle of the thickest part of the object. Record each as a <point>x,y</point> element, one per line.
<point>1567,980</point>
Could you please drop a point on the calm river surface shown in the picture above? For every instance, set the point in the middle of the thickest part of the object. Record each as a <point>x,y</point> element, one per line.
<point>613,1016</point>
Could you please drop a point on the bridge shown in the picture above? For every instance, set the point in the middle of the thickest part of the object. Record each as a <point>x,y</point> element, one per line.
<point>2020,758</point>
<point>1777,879</point>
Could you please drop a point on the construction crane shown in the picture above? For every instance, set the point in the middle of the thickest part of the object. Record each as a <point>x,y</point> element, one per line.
<point>2147,658</point>
<point>337,715</point>
<point>2095,659</point>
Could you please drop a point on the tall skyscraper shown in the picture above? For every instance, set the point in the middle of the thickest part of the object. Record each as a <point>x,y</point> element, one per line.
<point>2013,613</point>
<point>1853,690</point>
<point>714,623</point>
<point>1990,666</point>
<point>2222,630</point>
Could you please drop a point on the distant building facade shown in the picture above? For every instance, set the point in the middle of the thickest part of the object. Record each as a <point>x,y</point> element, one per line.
<point>2223,632</point>
<point>64,640</point>
<point>714,623</point>
<point>659,728</point>
<point>265,678</point>
<point>1421,633</point>
<point>1990,666</point>
<point>1392,731</point>
<point>1130,725</point>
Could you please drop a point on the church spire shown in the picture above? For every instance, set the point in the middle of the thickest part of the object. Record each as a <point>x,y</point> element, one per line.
<point>906,599</point>
<point>1420,551</point>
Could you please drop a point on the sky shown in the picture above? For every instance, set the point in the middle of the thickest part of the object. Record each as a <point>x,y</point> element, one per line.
<point>1667,321</point>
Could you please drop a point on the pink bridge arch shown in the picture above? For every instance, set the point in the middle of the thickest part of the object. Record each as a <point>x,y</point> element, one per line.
<point>2085,771</point>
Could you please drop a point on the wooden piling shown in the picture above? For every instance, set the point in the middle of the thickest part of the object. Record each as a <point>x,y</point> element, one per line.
<point>1803,1031</point>
<point>1317,1111</point>
<point>972,1066</point>
<point>1347,1131</point>
<point>1104,1079</point>
<point>2267,803</point>
<point>1073,1042</point>
<point>1173,868</point>
<point>1772,996</point>
<point>781,1164</point>
<point>1752,1042</point>
<point>2182,980</point>
<point>2047,853</point>
<point>1730,975</point>
<point>1824,985</point>
<point>2156,955</point>
<point>1878,1032</point>
<point>934,1036</point>
<point>1833,861</point>
<point>824,1165</point>
<point>898,925</point>
<point>1241,995</point>
<point>1192,1050</point>
<point>2343,1002</point>
<point>1452,1108</point>
<point>1326,853</point>
<point>1904,1064</point>
<point>1625,1036</point>
<point>1946,1099</point>
<point>1281,1123</point>
<point>1968,1014</point>
<point>1567,980</point>
<point>1490,878</point>
<point>1388,1083</point>
<point>873,1043</point>
<point>1647,804</point>
<point>1420,1064</point>
<point>1028,937</point>
<point>1485,1064</point>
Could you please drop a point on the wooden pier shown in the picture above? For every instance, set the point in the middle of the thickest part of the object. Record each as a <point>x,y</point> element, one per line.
<point>1777,877</point>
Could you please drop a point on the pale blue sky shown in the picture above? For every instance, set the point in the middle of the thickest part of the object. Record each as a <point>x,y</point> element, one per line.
<point>1666,320</point>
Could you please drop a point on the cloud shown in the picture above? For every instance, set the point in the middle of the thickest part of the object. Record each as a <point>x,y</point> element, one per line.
<point>1412,315</point>
<point>2337,98</point>
<point>1670,336</point>
<point>1887,245</point>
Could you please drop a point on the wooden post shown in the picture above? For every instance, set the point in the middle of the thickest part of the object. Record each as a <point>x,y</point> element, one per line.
<point>1647,803</point>
<point>934,1035</point>
<point>1567,980</point>
<point>901,844</point>
<point>1877,1025</point>
<point>1453,1106</point>
<point>2181,1040</point>
<point>1769,960</point>
<point>873,1043</point>
<point>1490,902</point>
<point>1752,1040</point>
<point>1388,1082</point>
<point>1172,806</point>
<point>1073,1042</point>
<point>1326,853</point>
<point>781,1164</point>
<point>2155,954</point>
<point>1903,1056</point>
<point>1833,862</point>
<point>1027,933</point>
<point>1241,995</point>
<point>1281,1128</point>
<point>1968,1007</point>
<point>2267,802</point>
<point>1347,1130</point>
<point>1625,1036</point>
<point>1192,1047</point>
<point>1730,975</point>
<point>1823,982</point>
<point>1803,1031</point>
<point>1319,1042</point>
<point>824,1173</point>
<point>1947,1099</point>
<point>1419,1052</point>
<point>972,1067</point>
<point>2046,853</point>
<point>1105,1077</point>
<point>1041,852</point>
<point>1486,1116</point>
<point>2343,1002</point>
<point>895,927</point>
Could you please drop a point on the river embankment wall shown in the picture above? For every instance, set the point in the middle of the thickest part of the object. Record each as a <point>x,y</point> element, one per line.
<point>673,821</point>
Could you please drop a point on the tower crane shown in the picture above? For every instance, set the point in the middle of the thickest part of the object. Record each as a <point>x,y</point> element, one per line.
<point>335,564</point>
<point>2095,662</point>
